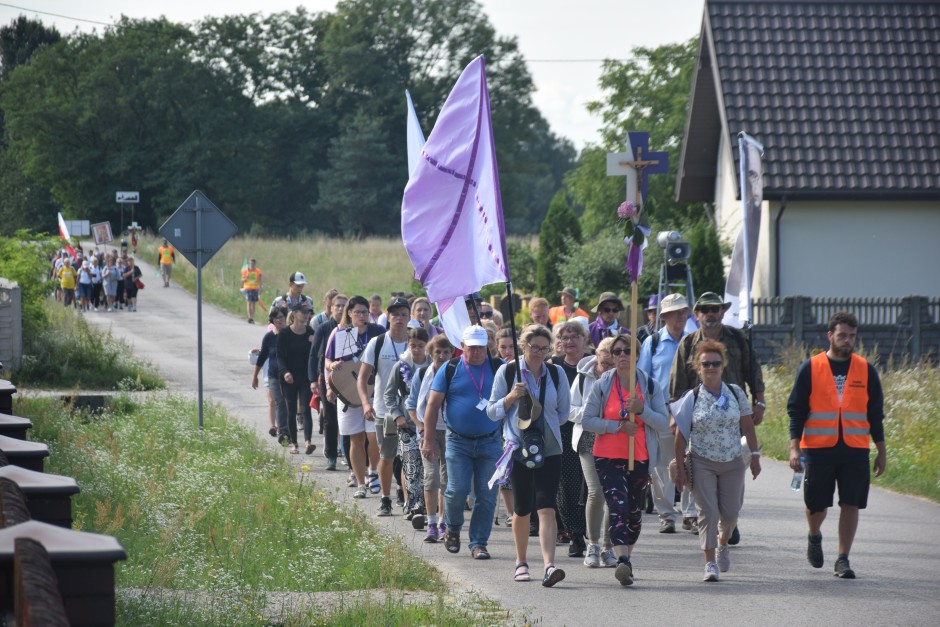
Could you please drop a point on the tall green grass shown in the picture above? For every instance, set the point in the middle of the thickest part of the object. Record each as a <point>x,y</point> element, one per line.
<point>66,352</point>
<point>215,512</point>
<point>912,420</point>
<point>377,265</point>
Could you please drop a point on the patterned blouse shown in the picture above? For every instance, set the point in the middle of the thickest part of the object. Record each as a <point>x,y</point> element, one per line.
<point>716,423</point>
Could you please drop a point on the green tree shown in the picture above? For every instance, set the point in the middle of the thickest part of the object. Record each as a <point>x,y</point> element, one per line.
<point>349,194</point>
<point>25,260</point>
<point>708,273</point>
<point>559,236</point>
<point>649,92</point>
<point>20,40</point>
<point>597,266</point>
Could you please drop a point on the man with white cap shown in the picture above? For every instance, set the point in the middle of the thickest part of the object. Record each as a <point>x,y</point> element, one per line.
<point>474,444</point>
<point>294,295</point>
<point>656,357</point>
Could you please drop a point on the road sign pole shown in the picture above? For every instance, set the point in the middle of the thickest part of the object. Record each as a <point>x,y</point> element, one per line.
<point>199,306</point>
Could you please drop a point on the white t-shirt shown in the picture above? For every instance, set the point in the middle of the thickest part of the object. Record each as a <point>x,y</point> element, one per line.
<point>391,353</point>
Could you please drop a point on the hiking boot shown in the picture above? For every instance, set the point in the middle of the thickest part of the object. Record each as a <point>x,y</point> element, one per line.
<point>711,572</point>
<point>814,551</point>
<point>385,508</point>
<point>667,526</point>
<point>735,537</point>
<point>608,559</point>
<point>624,572</point>
<point>843,570</point>
<point>452,542</point>
<point>723,555</point>
<point>593,557</point>
<point>577,547</point>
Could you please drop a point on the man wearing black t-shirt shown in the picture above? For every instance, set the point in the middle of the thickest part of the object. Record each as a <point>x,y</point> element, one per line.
<point>835,406</point>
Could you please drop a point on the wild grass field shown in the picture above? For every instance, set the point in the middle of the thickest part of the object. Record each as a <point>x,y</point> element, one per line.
<point>376,265</point>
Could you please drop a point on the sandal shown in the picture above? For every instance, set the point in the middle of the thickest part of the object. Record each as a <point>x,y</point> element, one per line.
<point>522,573</point>
<point>552,576</point>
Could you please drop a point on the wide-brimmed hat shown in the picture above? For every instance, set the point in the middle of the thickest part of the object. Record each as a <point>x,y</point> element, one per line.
<point>608,297</point>
<point>298,278</point>
<point>652,303</point>
<point>711,298</point>
<point>674,302</point>
<point>475,335</point>
<point>570,291</point>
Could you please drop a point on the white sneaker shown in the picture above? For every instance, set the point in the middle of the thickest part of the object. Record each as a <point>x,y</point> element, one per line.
<point>723,556</point>
<point>609,559</point>
<point>593,557</point>
<point>711,572</point>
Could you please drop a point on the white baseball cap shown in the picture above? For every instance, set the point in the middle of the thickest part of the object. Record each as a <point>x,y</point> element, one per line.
<point>475,336</point>
<point>298,278</point>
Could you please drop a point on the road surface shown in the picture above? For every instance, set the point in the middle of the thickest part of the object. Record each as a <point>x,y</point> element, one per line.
<point>896,553</point>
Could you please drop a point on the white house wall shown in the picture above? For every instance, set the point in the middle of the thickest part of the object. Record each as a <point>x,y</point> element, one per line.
<point>858,249</point>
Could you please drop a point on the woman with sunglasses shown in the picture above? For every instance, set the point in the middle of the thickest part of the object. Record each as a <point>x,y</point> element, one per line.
<point>346,343</point>
<point>595,509</point>
<point>607,410</point>
<point>534,488</point>
<point>710,421</point>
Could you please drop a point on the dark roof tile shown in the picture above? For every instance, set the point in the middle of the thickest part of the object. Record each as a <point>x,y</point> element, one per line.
<point>845,96</point>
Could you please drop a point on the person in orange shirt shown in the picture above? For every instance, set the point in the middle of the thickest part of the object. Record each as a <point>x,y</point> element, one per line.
<point>568,309</point>
<point>251,287</point>
<point>166,256</point>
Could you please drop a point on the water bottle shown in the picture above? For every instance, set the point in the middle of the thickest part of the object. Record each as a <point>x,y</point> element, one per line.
<point>797,481</point>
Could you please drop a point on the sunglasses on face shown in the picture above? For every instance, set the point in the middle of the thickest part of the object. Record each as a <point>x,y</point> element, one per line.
<point>709,309</point>
<point>710,364</point>
<point>486,314</point>
<point>617,352</point>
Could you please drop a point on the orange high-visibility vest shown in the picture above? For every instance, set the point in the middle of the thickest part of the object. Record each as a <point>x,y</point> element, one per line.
<point>827,415</point>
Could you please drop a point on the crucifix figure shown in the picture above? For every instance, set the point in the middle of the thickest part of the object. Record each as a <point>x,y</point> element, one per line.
<point>636,164</point>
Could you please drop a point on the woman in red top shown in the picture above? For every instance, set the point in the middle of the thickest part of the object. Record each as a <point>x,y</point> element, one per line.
<point>607,410</point>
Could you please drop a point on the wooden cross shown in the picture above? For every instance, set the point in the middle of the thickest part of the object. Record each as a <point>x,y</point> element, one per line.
<point>636,169</point>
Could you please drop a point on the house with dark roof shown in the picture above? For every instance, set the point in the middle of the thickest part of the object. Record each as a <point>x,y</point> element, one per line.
<point>845,98</point>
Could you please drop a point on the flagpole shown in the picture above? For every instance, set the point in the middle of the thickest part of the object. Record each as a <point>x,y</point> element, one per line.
<point>512,326</point>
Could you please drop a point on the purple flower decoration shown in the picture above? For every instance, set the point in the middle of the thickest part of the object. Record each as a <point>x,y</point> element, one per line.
<point>627,209</point>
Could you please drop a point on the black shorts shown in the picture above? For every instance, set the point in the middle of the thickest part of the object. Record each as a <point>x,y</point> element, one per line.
<point>853,479</point>
<point>535,488</point>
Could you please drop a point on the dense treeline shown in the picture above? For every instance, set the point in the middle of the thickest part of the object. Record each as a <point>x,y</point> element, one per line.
<point>290,122</point>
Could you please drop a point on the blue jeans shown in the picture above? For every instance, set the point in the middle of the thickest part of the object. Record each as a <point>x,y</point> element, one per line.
<point>471,460</point>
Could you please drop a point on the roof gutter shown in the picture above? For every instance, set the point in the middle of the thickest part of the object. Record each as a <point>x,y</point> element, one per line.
<point>783,207</point>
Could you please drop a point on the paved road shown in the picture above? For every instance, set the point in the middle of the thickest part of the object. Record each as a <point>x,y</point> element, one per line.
<point>896,554</point>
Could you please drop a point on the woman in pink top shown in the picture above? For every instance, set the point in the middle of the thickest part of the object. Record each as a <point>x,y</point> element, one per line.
<point>607,411</point>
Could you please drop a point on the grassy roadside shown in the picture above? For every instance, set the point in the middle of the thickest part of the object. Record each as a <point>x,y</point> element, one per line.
<point>912,422</point>
<point>222,517</point>
<point>68,353</point>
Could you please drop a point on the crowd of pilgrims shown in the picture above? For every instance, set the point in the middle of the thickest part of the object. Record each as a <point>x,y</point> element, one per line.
<point>544,421</point>
<point>98,279</point>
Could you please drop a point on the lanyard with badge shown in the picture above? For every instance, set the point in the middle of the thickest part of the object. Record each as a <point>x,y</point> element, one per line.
<point>479,388</point>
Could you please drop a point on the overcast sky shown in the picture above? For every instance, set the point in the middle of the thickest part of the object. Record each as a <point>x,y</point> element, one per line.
<point>568,32</point>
